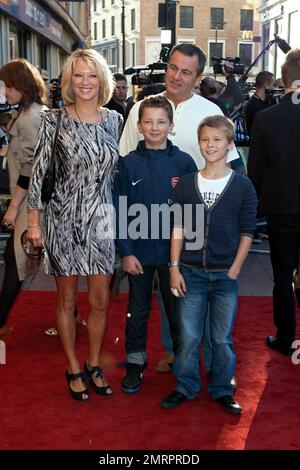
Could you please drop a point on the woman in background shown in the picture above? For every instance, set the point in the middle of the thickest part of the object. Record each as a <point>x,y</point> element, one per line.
<point>24,86</point>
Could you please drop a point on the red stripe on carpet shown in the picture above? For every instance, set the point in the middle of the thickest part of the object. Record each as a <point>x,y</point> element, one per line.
<point>37,411</point>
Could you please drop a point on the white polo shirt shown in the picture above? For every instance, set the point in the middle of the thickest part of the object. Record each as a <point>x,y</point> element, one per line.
<point>187,117</point>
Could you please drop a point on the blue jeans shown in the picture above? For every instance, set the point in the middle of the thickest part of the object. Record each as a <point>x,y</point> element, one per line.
<point>166,339</point>
<point>217,291</point>
<point>139,305</point>
<point>165,335</point>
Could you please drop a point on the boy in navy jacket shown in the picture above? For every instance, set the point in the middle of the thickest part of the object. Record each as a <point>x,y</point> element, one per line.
<point>146,178</point>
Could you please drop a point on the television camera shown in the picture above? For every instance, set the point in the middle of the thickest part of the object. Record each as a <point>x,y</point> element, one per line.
<point>147,75</point>
<point>228,64</point>
<point>274,95</point>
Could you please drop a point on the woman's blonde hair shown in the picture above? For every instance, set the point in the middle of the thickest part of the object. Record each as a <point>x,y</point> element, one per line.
<point>104,74</point>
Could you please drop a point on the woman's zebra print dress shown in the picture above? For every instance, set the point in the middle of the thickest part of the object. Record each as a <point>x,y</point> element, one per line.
<point>78,220</point>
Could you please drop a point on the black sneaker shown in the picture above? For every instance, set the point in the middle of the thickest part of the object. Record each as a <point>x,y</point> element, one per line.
<point>173,400</point>
<point>229,404</point>
<point>274,343</point>
<point>132,379</point>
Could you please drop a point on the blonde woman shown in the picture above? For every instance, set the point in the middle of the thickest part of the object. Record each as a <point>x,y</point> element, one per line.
<point>76,219</point>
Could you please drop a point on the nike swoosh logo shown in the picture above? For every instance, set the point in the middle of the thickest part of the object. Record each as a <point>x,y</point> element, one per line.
<point>136,182</point>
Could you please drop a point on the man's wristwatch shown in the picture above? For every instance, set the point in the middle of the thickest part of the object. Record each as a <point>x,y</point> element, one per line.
<point>173,264</point>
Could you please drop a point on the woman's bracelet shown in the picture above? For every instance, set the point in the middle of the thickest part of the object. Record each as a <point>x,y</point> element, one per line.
<point>33,225</point>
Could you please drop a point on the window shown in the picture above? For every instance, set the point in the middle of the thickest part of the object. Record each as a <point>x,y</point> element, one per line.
<point>112,2</point>
<point>186,17</point>
<point>132,19</point>
<point>215,50</point>
<point>95,5</point>
<point>103,3</point>
<point>217,18</point>
<point>293,29</point>
<point>103,29</point>
<point>113,56</point>
<point>22,44</point>
<point>12,48</point>
<point>133,54</point>
<point>265,40</point>
<point>246,20</point>
<point>42,55</point>
<point>113,26</point>
<point>245,54</point>
<point>95,31</point>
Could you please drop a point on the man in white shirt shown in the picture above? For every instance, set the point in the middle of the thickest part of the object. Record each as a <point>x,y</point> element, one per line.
<point>185,66</point>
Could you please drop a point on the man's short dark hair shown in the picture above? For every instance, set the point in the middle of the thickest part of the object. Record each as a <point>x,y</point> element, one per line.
<point>190,50</point>
<point>118,77</point>
<point>209,86</point>
<point>158,101</point>
<point>264,78</point>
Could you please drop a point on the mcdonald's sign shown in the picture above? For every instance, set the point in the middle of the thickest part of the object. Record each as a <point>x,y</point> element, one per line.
<point>248,34</point>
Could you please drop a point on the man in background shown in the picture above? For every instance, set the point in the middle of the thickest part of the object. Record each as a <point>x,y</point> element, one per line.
<point>259,101</point>
<point>274,168</point>
<point>118,99</point>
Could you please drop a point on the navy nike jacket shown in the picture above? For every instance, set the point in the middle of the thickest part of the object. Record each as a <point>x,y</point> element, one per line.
<point>144,181</point>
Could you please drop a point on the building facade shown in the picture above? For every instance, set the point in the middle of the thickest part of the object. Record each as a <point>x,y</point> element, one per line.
<point>220,27</point>
<point>280,17</point>
<point>42,31</point>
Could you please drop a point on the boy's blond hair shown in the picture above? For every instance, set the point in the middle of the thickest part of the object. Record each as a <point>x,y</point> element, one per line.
<point>218,122</point>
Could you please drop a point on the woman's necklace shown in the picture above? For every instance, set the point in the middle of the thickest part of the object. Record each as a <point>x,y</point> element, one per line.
<point>79,116</point>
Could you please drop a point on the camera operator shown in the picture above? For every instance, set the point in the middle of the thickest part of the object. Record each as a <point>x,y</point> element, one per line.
<point>259,100</point>
<point>231,95</point>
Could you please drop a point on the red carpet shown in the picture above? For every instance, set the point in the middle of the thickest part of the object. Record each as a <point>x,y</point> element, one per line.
<point>38,413</point>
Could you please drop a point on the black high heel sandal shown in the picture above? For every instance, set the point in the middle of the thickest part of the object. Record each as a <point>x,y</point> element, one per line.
<point>77,395</point>
<point>106,390</point>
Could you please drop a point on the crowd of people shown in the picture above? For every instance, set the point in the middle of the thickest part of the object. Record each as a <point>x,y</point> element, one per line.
<point>173,150</point>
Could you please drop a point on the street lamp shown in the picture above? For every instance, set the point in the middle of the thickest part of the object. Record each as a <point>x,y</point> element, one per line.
<point>216,35</point>
<point>171,19</point>
<point>123,37</point>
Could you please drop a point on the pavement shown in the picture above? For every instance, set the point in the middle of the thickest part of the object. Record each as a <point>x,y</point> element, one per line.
<point>256,277</point>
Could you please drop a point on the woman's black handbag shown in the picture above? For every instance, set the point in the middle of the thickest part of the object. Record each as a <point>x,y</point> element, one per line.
<point>49,178</point>
<point>30,250</point>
